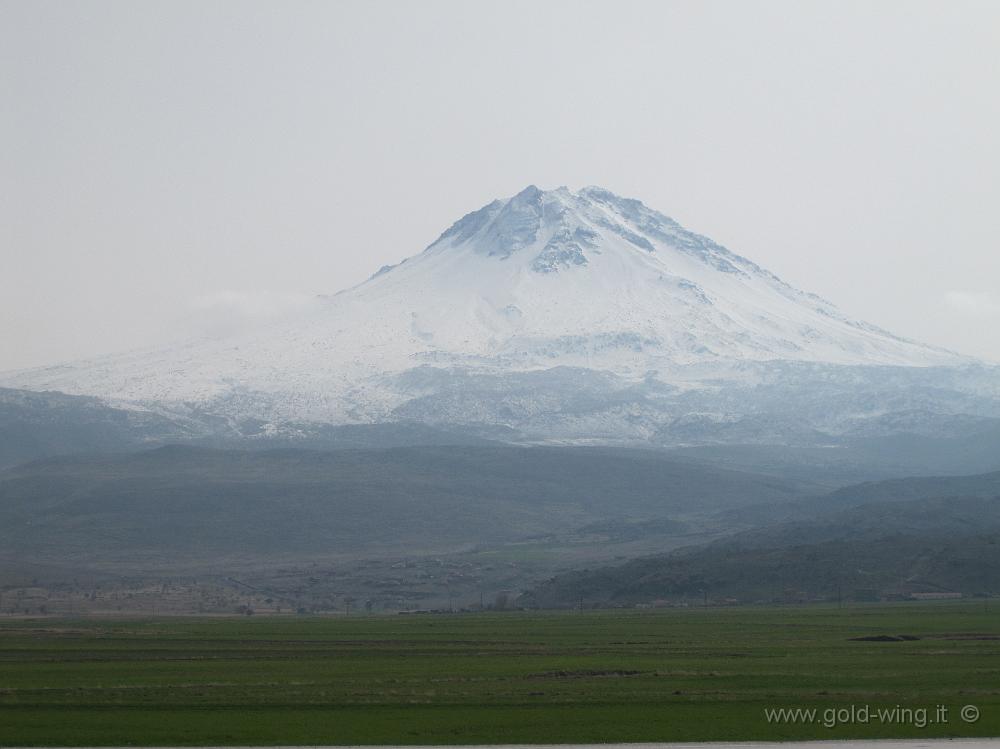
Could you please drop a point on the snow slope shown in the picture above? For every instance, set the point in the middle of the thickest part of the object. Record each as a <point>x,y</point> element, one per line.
<point>544,279</point>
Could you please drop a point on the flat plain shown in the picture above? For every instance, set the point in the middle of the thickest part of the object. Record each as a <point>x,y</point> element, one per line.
<point>503,677</point>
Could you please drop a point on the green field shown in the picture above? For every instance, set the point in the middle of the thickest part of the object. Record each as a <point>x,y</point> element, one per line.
<point>656,675</point>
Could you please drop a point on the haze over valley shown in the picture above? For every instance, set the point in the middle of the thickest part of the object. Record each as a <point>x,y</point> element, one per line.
<point>564,380</point>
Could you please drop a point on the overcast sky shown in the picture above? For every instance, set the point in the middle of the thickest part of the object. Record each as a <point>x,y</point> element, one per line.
<point>175,168</point>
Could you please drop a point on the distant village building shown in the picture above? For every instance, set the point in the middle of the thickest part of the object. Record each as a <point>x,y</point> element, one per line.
<point>935,596</point>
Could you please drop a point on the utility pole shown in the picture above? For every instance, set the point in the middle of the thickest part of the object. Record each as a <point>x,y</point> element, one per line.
<point>581,604</point>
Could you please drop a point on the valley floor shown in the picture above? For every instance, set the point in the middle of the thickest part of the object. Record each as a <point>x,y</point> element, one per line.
<point>721,674</point>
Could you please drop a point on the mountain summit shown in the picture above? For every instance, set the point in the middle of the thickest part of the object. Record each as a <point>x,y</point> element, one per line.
<point>591,279</point>
<point>553,281</point>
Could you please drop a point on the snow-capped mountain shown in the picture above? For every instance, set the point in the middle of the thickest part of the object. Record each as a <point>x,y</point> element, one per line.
<point>582,285</point>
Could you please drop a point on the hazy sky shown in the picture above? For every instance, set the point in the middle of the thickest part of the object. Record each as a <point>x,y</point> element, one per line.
<point>172,168</point>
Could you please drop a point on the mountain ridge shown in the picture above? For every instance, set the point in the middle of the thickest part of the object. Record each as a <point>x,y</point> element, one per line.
<point>543,282</point>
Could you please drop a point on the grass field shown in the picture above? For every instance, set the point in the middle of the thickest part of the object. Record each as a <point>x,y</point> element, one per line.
<point>680,674</point>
